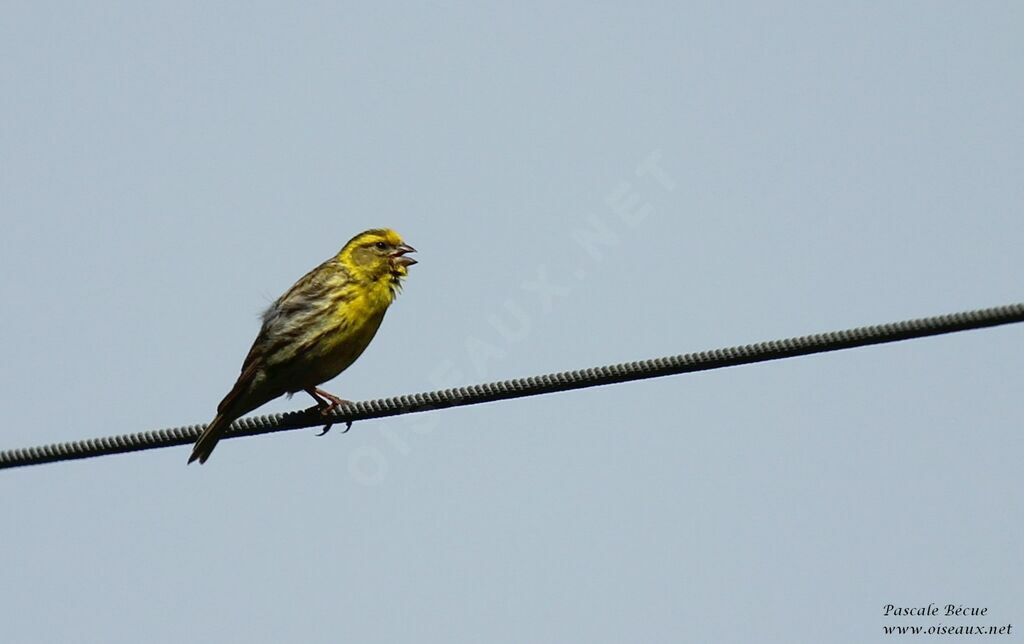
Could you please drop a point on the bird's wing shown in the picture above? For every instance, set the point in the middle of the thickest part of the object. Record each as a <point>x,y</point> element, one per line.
<point>288,329</point>
<point>285,317</point>
<point>230,402</point>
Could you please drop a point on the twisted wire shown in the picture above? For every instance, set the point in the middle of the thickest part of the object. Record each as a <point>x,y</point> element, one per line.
<point>530,386</point>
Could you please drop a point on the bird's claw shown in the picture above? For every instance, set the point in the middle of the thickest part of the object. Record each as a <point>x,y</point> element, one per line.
<point>328,426</point>
<point>326,409</point>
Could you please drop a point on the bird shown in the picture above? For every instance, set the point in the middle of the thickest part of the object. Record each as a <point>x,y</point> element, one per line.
<point>316,330</point>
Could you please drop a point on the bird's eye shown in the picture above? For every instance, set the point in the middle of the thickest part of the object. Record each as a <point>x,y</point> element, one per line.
<point>381,245</point>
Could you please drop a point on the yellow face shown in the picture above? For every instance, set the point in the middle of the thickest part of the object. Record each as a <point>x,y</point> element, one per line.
<point>378,253</point>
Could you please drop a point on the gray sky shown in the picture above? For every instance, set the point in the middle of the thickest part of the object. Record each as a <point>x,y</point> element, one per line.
<point>168,169</point>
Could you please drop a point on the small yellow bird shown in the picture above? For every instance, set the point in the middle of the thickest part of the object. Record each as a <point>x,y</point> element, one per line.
<point>316,330</point>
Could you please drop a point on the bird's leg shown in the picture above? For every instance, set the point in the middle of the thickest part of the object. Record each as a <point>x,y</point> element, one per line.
<point>327,402</point>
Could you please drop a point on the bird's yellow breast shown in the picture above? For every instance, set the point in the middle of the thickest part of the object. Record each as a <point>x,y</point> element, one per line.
<point>352,327</point>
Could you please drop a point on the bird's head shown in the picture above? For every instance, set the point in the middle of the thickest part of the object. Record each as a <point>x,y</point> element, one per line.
<point>377,254</point>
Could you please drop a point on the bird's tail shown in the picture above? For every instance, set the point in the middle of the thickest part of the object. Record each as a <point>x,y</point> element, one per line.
<point>209,438</point>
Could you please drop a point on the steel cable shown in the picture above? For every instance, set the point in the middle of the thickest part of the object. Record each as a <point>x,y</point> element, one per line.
<point>530,386</point>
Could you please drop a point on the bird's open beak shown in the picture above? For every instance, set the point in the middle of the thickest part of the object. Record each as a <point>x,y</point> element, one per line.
<point>399,258</point>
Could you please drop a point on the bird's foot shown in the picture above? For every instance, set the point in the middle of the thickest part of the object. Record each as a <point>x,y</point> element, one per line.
<point>325,404</point>
<point>327,428</point>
